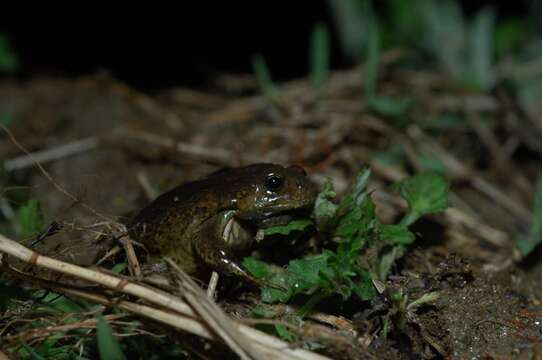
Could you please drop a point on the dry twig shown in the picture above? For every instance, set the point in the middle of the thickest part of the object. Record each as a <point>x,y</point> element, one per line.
<point>266,346</point>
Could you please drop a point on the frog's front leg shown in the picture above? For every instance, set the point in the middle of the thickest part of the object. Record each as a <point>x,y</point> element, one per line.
<point>219,242</point>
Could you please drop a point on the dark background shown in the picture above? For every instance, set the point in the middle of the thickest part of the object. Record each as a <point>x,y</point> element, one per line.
<point>153,47</point>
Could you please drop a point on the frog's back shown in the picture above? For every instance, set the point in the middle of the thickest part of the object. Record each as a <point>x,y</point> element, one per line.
<point>170,218</point>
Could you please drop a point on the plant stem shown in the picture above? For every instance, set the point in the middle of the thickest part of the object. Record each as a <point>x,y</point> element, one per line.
<point>410,218</point>
<point>313,301</point>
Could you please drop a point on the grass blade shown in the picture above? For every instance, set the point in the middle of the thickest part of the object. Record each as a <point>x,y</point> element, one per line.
<point>320,56</point>
<point>108,346</point>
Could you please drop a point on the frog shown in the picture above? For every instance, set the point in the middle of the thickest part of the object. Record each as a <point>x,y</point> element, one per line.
<point>211,223</point>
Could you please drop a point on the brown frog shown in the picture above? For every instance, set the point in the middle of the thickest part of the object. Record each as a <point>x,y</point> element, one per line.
<point>212,221</point>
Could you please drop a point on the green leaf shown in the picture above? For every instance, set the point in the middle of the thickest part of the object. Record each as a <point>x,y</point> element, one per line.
<point>351,19</point>
<point>257,268</point>
<point>264,311</point>
<point>31,218</point>
<point>373,57</point>
<point>530,93</point>
<point>425,194</point>
<point>389,107</point>
<point>120,267</point>
<point>445,121</point>
<point>320,56</point>
<point>6,119</point>
<point>359,221</point>
<point>397,234</point>
<point>480,52</point>
<point>509,34</point>
<point>359,193</point>
<point>9,62</point>
<point>294,225</point>
<point>304,273</point>
<point>33,354</point>
<point>60,304</point>
<point>527,244</point>
<point>284,333</point>
<point>444,33</point>
<point>393,155</point>
<point>364,287</point>
<point>263,77</point>
<point>432,164</point>
<point>271,295</point>
<point>324,207</point>
<point>405,17</point>
<point>424,299</point>
<point>108,346</point>
<point>383,105</point>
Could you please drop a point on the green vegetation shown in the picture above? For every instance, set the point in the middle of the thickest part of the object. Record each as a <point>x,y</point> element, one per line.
<point>263,77</point>
<point>526,244</point>
<point>477,52</point>
<point>320,57</point>
<point>9,63</point>
<point>366,248</point>
<point>108,346</point>
<point>31,218</point>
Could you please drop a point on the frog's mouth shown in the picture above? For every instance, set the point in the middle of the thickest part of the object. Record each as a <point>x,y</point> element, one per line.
<point>270,219</point>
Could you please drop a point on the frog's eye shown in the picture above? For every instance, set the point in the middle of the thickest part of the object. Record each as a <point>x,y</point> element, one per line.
<point>274,182</point>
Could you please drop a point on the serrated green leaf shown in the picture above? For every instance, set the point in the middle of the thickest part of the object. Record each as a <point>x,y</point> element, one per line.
<point>271,295</point>
<point>294,225</point>
<point>108,345</point>
<point>425,194</point>
<point>397,234</point>
<point>305,272</point>
<point>31,218</point>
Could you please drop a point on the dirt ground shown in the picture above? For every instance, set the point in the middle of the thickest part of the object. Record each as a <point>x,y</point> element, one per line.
<point>114,147</point>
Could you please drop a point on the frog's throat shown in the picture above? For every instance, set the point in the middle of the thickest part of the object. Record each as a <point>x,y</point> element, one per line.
<point>234,234</point>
